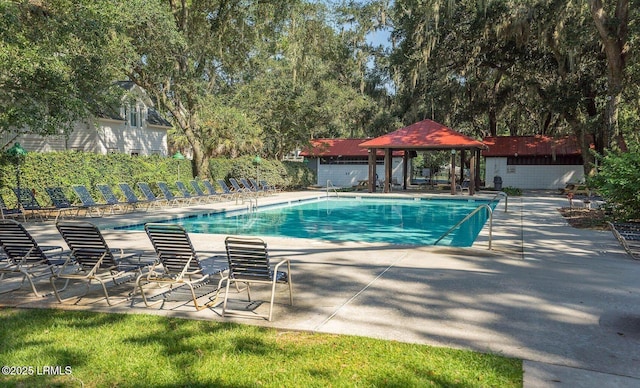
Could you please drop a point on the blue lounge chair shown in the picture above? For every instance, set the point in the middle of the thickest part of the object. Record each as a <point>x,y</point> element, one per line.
<point>150,196</point>
<point>88,202</point>
<point>132,199</point>
<point>10,213</point>
<point>200,193</point>
<point>110,198</point>
<point>237,188</point>
<point>29,204</point>
<point>186,194</point>
<point>212,190</point>
<point>61,202</point>
<point>172,200</point>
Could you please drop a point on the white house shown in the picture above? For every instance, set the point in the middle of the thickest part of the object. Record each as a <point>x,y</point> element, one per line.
<point>134,128</point>
<point>344,163</point>
<point>532,162</point>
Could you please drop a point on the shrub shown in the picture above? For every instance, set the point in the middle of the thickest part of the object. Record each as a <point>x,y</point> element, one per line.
<point>618,182</point>
<point>67,168</point>
<point>512,191</point>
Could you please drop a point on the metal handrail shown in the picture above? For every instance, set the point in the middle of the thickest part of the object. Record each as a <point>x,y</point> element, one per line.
<point>506,199</point>
<point>483,206</point>
<point>332,186</point>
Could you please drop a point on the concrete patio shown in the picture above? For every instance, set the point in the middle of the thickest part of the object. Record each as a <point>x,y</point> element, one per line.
<point>565,300</point>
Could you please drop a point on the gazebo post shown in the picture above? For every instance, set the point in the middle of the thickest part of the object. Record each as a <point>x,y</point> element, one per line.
<point>472,173</point>
<point>463,157</point>
<point>388,167</point>
<point>477,156</point>
<point>372,170</point>
<point>452,174</point>
<point>405,166</point>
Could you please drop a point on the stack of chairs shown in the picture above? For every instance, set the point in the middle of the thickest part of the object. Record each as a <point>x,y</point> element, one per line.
<point>628,234</point>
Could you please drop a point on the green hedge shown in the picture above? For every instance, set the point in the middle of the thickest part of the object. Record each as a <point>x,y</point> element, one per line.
<point>64,169</point>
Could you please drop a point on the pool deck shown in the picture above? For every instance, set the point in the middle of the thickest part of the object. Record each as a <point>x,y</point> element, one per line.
<point>565,300</point>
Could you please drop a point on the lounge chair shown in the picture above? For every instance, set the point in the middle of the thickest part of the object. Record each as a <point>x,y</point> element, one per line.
<point>200,193</point>
<point>29,204</point>
<point>10,213</point>
<point>237,188</point>
<point>251,187</point>
<point>265,190</point>
<point>271,188</point>
<point>249,263</point>
<point>25,258</point>
<point>61,202</point>
<point>172,200</point>
<point>179,265</point>
<point>227,191</point>
<point>88,202</point>
<point>150,196</point>
<point>110,198</point>
<point>95,259</point>
<point>132,199</point>
<point>213,192</point>
<point>186,194</point>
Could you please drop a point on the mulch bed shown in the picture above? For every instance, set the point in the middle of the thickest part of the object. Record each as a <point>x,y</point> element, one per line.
<point>583,218</point>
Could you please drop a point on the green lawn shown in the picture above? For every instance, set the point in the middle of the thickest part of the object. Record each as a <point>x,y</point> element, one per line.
<point>144,350</point>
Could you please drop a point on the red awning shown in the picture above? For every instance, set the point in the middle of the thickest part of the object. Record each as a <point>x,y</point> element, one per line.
<point>339,147</point>
<point>426,134</point>
<point>531,146</point>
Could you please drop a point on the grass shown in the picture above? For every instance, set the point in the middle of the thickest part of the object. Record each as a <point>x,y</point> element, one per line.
<point>121,350</point>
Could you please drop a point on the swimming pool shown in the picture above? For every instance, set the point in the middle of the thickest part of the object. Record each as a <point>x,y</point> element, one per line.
<point>365,219</point>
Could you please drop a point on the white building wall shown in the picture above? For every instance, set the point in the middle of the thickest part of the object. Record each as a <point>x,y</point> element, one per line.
<point>348,175</point>
<point>111,136</point>
<point>547,177</point>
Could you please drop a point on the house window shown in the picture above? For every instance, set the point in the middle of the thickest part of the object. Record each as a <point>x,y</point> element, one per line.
<point>135,152</point>
<point>133,116</point>
<point>112,150</point>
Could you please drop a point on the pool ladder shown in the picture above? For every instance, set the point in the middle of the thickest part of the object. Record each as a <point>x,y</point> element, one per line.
<point>501,194</point>
<point>476,210</point>
<point>330,185</point>
<point>253,204</point>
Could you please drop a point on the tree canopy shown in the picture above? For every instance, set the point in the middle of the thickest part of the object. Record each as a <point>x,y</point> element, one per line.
<point>252,77</point>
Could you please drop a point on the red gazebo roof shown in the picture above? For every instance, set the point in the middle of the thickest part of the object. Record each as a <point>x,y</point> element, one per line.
<point>425,134</point>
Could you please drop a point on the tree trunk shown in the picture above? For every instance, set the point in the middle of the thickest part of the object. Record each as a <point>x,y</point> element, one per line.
<point>613,33</point>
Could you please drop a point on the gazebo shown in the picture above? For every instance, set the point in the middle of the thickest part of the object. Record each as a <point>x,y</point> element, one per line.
<point>423,135</point>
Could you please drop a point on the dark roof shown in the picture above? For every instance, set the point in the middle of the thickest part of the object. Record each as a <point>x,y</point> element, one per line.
<point>531,146</point>
<point>425,134</point>
<point>339,147</point>
<point>113,113</point>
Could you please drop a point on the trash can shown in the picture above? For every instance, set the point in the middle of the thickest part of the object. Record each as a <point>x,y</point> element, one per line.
<point>497,182</point>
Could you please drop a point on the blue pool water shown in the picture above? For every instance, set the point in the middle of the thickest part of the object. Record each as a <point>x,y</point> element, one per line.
<point>364,219</point>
